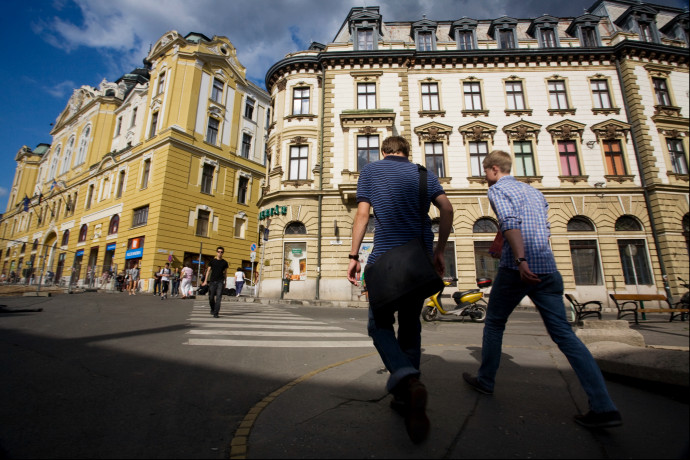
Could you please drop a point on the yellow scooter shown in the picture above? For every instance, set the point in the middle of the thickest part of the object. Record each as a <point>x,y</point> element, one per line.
<point>468,303</point>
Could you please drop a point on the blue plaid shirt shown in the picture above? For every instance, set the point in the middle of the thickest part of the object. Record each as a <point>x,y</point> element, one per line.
<point>521,206</point>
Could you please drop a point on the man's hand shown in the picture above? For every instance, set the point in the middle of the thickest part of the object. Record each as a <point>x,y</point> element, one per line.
<point>526,274</point>
<point>439,263</point>
<point>353,272</point>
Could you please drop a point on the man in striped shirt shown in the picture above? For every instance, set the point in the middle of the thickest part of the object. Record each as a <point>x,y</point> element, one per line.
<point>391,187</point>
<point>528,268</point>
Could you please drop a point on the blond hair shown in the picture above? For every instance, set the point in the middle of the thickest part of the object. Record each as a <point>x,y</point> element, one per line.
<point>498,158</point>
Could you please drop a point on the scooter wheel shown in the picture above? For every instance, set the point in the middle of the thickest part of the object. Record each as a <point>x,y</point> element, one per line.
<point>429,313</point>
<point>479,314</point>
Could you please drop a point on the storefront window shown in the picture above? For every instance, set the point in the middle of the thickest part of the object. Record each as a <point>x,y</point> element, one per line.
<point>295,260</point>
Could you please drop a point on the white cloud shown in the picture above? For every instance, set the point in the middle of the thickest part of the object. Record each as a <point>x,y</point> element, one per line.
<point>3,192</point>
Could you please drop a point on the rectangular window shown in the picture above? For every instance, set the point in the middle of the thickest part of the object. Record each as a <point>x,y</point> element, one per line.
<point>300,101</point>
<point>506,39</point>
<point>473,95</point>
<point>516,99</point>
<point>588,37</point>
<point>202,219</point>
<point>661,91</point>
<point>677,152</point>
<point>120,184</point>
<point>242,187</point>
<point>615,166</point>
<point>367,150</point>
<point>154,123</point>
<point>524,158</point>
<point>207,178</point>
<point>450,273</point>
<point>466,40</point>
<point>424,41</point>
<point>295,261</point>
<point>140,216</point>
<point>434,158</point>
<point>558,97</point>
<point>478,151</point>
<point>548,38</point>
<point>366,96</point>
<point>249,108</point>
<point>600,92</point>
<point>299,162</point>
<point>586,266</point>
<point>633,254</point>
<point>89,196</point>
<point>118,127</point>
<point>567,151</point>
<point>365,39</point>
<point>217,91</point>
<point>212,131</point>
<point>240,225</point>
<point>145,175</point>
<point>646,34</point>
<point>430,96</point>
<point>246,145</point>
<point>134,117</point>
<point>161,82</point>
<point>485,265</point>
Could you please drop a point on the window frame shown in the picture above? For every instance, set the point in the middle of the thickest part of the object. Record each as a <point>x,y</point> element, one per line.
<point>83,233</point>
<point>140,216</point>
<point>114,225</point>
<point>369,150</point>
<point>519,158</point>
<point>597,100</point>
<point>567,156</point>
<point>301,99</point>
<point>370,42</point>
<point>429,97</point>
<point>473,95</point>
<point>516,96</point>
<point>662,94</point>
<point>153,128</point>
<point>478,156</point>
<point>203,219</point>
<point>246,148</point>
<point>161,83</point>
<point>217,90</point>
<point>677,155</point>
<point>67,157</point>
<point>585,258</point>
<point>612,166</point>
<point>298,168</point>
<point>146,171</point>
<point>83,145</point>
<point>206,185</point>
<point>249,106</point>
<point>212,129</point>
<point>366,97</point>
<point>557,95</point>
<point>435,161</point>
<point>242,189</point>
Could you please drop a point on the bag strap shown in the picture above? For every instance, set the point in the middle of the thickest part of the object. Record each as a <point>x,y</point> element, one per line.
<point>423,185</point>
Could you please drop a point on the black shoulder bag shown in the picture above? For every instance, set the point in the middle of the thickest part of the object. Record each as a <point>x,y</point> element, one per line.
<point>405,271</point>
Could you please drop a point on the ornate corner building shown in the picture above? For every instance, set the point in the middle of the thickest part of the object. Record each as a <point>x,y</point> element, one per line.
<point>164,164</point>
<point>594,110</point>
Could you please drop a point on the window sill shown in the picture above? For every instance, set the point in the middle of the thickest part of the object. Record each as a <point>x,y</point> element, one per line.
<point>666,110</point>
<point>553,112</point>
<point>519,112</point>
<point>530,179</point>
<point>432,113</point>
<point>204,192</point>
<point>138,225</point>
<point>573,179</point>
<point>299,117</point>
<point>612,110</point>
<point>477,180</point>
<point>475,113</point>
<point>676,177</point>
<point>619,178</point>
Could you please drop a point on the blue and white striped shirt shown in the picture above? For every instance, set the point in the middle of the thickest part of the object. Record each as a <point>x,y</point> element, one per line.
<point>521,206</point>
<point>391,187</point>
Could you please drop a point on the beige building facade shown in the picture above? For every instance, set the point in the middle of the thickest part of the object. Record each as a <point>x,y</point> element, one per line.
<point>594,110</point>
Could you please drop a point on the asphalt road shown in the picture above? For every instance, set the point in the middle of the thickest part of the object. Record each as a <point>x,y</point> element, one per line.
<point>97,375</point>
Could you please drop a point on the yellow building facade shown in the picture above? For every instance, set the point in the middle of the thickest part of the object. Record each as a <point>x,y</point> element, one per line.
<point>162,165</point>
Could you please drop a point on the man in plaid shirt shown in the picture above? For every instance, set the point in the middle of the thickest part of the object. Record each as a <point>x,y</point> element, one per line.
<point>528,268</point>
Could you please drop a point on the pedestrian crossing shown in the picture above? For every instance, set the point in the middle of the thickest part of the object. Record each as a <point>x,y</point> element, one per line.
<point>254,325</point>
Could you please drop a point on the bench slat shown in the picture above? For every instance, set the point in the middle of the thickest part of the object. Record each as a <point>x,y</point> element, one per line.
<point>638,297</point>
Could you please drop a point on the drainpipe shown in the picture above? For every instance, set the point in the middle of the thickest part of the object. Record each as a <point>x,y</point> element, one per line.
<point>645,192</point>
<point>320,202</point>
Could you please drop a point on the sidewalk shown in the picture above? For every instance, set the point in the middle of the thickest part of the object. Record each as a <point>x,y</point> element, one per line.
<point>342,411</point>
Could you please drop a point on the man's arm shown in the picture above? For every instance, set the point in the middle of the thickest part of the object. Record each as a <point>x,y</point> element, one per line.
<point>445,223</point>
<point>359,227</point>
<point>514,237</point>
<point>208,272</point>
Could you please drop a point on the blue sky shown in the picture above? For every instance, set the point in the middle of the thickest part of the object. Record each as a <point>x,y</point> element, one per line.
<point>53,47</point>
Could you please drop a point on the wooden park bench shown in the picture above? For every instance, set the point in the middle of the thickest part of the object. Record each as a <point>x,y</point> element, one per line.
<point>589,308</point>
<point>634,304</point>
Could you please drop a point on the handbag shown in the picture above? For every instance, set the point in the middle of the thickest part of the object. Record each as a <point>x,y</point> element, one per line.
<point>406,271</point>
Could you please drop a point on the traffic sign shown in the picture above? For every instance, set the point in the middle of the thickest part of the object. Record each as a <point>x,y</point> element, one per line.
<point>252,247</point>
<point>252,256</point>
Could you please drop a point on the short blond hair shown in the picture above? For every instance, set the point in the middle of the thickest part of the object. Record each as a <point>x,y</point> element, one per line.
<point>498,158</point>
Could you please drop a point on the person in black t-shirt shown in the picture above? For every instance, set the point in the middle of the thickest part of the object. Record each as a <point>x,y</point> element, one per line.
<point>216,274</point>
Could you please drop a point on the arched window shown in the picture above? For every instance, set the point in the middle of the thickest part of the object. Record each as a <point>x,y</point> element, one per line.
<point>35,245</point>
<point>67,160</point>
<point>82,233</point>
<point>485,225</point>
<point>628,224</point>
<point>435,223</point>
<point>295,228</point>
<point>65,238</point>
<point>54,162</point>
<point>114,224</point>
<point>83,144</point>
<point>580,224</point>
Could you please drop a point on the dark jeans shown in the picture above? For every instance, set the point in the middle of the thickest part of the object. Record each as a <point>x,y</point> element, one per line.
<point>156,286</point>
<point>164,291</point>
<point>175,287</point>
<point>215,295</point>
<point>506,294</point>
<point>402,354</point>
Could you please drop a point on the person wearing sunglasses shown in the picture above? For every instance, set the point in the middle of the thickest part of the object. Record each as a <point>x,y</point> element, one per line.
<point>216,275</point>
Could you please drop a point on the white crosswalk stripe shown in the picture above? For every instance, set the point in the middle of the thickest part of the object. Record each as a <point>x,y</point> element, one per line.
<point>244,325</point>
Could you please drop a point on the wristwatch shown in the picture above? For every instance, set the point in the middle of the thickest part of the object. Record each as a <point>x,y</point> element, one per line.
<point>353,257</point>
<point>519,260</point>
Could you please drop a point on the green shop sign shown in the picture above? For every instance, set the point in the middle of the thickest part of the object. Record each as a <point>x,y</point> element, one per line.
<point>297,251</point>
<point>276,211</point>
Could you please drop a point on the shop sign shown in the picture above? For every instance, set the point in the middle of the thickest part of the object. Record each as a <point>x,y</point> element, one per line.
<point>275,211</point>
<point>134,253</point>
<point>111,247</point>
<point>79,253</point>
<point>297,251</point>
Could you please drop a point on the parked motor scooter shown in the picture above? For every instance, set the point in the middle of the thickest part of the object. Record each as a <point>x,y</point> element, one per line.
<point>468,304</point>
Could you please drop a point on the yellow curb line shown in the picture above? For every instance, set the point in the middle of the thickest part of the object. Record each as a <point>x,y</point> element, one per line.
<point>238,445</point>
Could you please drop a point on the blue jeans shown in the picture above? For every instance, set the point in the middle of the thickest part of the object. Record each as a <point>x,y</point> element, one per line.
<point>547,295</point>
<point>238,287</point>
<point>400,355</point>
<point>215,295</point>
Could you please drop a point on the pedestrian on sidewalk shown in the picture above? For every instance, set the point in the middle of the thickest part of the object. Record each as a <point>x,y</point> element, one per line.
<point>175,282</point>
<point>239,281</point>
<point>216,274</point>
<point>157,281</point>
<point>165,280</point>
<point>528,268</point>
<point>391,187</point>
<point>186,275</point>
<point>134,279</point>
